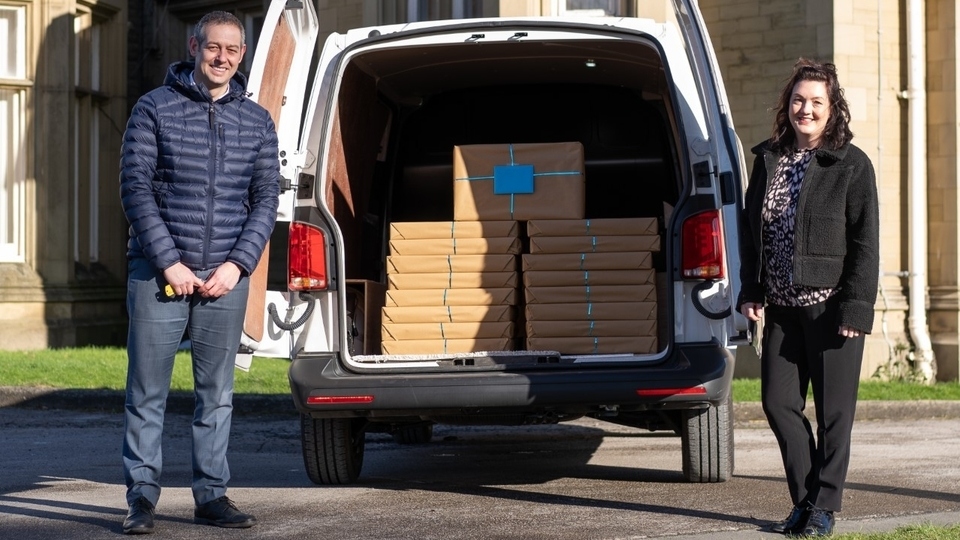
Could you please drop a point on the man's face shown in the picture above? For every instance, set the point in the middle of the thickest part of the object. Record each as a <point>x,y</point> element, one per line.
<point>218,57</point>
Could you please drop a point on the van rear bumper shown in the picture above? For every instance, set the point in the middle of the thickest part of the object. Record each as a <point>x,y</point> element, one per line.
<point>694,376</point>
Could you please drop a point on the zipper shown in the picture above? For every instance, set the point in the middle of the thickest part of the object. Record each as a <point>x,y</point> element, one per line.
<point>211,182</point>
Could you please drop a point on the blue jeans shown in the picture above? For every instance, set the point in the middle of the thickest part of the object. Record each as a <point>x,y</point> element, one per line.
<point>157,324</point>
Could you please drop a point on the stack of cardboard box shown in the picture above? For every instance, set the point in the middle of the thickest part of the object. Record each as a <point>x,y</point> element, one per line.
<point>589,286</point>
<point>451,287</point>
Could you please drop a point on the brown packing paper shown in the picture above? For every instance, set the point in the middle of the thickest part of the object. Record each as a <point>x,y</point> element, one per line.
<point>581,227</point>
<point>607,311</point>
<point>599,345</point>
<point>589,293</point>
<point>441,330</point>
<point>453,280</point>
<point>558,182</point>
<point>453,314</point>
<point>426,264</point>
<point>414,230</point>
<point>593,244</point>
<point>587,261</point>
<point>452,297</point>
<point>455,246</point>
<point>447,346</point>
<point>591,328</point>
<point>547,278</point>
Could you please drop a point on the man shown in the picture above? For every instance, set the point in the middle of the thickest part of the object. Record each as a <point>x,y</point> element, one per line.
<point>199,185</point>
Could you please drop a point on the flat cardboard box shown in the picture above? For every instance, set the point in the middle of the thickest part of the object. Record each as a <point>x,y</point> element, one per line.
<point>447,346</point>
<point>453,280</point>
<point>604,311</point>
<point>456,246</point>
<point>452,297</point>
<point>416,230</point>
<point>585,328</point>
<point>445,330</point>
<point>594,345</point>
<point>428,264</point>
<point>587,261</point>
<point>581,227</point>
<point>518,181</point>
<point>549,278</point>
<point>593,244</point>
<point>589,293</point>
<point>451,314</point>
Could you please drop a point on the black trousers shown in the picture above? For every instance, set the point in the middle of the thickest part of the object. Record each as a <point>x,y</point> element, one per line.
<point>801,347</point>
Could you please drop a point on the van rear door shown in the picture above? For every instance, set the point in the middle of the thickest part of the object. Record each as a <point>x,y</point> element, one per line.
<point>278,83</point>
<point>730,169</point>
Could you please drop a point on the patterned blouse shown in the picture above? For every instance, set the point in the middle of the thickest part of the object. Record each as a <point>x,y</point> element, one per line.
<point>779,214</point>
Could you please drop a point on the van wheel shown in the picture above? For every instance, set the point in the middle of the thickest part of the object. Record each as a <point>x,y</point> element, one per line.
<point>413,433</point>
<point>707,439</point>
<point>332,448</point>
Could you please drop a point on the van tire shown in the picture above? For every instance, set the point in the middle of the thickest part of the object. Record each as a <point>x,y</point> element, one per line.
<point>707,440</point>
<point>413,434</point>
<point>332,449</point>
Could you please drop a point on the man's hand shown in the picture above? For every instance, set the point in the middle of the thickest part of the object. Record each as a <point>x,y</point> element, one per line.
<point>221,281</point>
<point>752,311</point>
<point>182,280</point>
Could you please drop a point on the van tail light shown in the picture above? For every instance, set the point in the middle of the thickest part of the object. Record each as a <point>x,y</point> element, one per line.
<point>307,264</point>
<point>702,239</point>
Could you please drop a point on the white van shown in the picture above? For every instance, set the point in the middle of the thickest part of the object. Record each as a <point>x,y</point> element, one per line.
<point>373,150</point>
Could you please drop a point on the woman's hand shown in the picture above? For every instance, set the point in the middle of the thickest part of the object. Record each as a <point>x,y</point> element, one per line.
<point>752,311</point>
<point>849,331</point>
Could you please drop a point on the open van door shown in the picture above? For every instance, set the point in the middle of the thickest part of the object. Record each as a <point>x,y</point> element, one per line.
<point>287,39</point>
<point>730,169</point>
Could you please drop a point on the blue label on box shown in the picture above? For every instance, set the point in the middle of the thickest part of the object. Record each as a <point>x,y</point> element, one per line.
<point>512,179</point>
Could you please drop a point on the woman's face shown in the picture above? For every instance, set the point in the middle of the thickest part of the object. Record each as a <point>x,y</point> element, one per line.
<point>809,112</point>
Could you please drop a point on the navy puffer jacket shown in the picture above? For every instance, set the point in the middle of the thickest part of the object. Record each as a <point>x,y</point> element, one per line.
<point>199,180</point>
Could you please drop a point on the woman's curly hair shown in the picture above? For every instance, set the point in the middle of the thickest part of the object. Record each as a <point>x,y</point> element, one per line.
<point>837,132</point>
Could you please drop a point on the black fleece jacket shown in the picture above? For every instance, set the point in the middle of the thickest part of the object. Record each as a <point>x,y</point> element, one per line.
<point>836,233</point>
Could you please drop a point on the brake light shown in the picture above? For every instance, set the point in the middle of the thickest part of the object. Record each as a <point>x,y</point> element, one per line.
<point>702,239</point>
<point>664,392</point>
<point>307,252</point>
<point>336,400</point>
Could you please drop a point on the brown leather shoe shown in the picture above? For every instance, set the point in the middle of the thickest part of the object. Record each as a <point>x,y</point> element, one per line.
<point>223,512</point>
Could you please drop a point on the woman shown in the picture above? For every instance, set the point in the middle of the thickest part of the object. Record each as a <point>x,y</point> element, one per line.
<point>810,252</point>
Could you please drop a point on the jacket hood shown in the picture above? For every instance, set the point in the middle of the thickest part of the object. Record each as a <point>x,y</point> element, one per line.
<point>178,76</point>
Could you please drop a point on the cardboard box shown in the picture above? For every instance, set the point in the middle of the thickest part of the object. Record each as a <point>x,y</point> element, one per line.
<point>594,345</point>
<point>453,280</point>
<point>587,261</point>
<point>452,297</point>
<point>445,330</point>
<point>606,311</point>
<point>428,264</point>
<point>587,294</point>
<point>585,328</point>
<point>456,246</point>
<point>593,244</point>
<point>588,227</point>
<point>446,346</point>
<point>452,314</point>
<point>518,181</point>
<point>414,230</point>
<point>549,278</point>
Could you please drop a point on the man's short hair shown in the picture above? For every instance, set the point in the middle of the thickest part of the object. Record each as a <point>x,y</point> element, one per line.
<point>217,17</point>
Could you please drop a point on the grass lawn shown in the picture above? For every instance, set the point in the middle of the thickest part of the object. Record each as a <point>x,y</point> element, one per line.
<point>106,368</point>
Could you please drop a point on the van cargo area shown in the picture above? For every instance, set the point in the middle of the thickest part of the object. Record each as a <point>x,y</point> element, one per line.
<point>400,112</point>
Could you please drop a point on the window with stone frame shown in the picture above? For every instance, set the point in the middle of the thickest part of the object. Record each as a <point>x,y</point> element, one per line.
<point>14,86</point>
